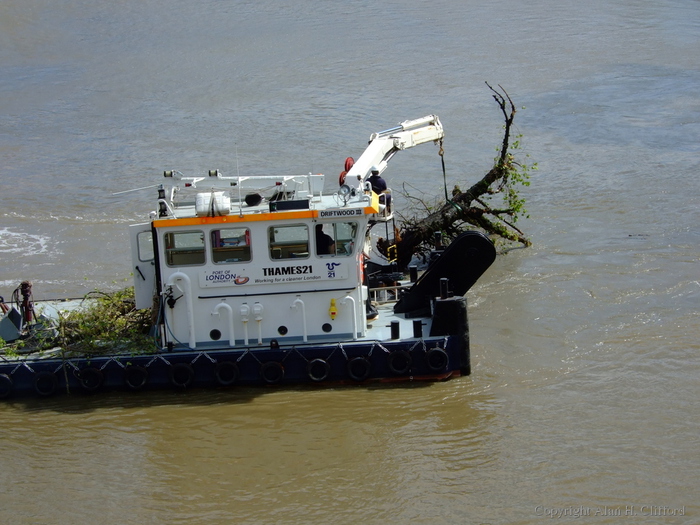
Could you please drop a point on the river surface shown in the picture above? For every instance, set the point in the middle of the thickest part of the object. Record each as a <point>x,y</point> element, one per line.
<point>583,402</point>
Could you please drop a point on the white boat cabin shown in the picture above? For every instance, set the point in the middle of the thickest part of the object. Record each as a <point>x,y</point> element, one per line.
<point>289,267</point>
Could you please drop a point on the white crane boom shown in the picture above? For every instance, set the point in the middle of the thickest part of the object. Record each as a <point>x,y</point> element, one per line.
<point>383,145</point>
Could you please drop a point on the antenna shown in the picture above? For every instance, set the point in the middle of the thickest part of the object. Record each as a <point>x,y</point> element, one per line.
<point>238,171</point>
<point>136,189</point>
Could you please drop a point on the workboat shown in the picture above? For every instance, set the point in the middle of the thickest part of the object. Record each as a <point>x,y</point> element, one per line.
<point>275,280</point>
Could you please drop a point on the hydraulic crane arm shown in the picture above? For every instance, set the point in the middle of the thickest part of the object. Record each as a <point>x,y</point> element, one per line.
<point>384,145</point>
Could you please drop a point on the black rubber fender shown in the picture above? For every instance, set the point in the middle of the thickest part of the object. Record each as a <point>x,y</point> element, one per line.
<point>181,375</point>
<point>359,368</point>
<point>45,383</point>
<point>272,372</point>
<point>226,373</point>
<point>318,369</point>
<point>6,386</point>
<point>437,359</point>
<point>91,378</point>
<point>399,362</point>
<point>135,377</point>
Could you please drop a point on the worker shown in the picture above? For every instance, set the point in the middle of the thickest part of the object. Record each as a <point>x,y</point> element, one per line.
<point>379,186</point>
<point>325,245</point>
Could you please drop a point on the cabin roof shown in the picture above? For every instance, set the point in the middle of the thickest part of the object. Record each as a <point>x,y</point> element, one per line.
<point>246,199</point>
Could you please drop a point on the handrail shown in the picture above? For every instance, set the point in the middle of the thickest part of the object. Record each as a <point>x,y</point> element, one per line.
<point>388,298</point>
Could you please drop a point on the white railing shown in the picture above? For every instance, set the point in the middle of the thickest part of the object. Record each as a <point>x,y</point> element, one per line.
<point>387,294</point>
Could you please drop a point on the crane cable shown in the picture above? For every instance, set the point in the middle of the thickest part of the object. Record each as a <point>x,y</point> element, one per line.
<point>444,177</point>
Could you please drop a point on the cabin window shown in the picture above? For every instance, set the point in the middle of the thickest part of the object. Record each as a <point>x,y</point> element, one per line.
<point>289,242</point>
<point>144,243</point>
<point>335,238</point>
<point>231,245</point>
<point>184,248</point>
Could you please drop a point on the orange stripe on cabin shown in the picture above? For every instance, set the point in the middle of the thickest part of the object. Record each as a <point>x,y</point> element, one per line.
<point>234,218</point>
<point>255,217</point>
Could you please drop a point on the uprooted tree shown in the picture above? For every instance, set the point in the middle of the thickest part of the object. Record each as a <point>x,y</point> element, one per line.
<point>493,204</point>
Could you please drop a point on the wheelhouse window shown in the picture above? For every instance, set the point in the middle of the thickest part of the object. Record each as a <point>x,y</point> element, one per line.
<point>230,245</point>
<point>335,238</point>
<point>185,248</point>
<point>289,242</point>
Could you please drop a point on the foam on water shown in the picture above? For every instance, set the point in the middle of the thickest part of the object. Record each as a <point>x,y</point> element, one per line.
<point>18,243</point>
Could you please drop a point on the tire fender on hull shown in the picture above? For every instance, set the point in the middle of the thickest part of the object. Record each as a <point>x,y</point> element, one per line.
<point>436,359</point>
<point>227,373</point>
<point>359,368</point>
<point>318,370</point>
<point>135,377</point>
<point>181,375</point>
<point>45,383</point>
<point>400,362</point>
<point>91,379</point>
<point>272,372</point>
